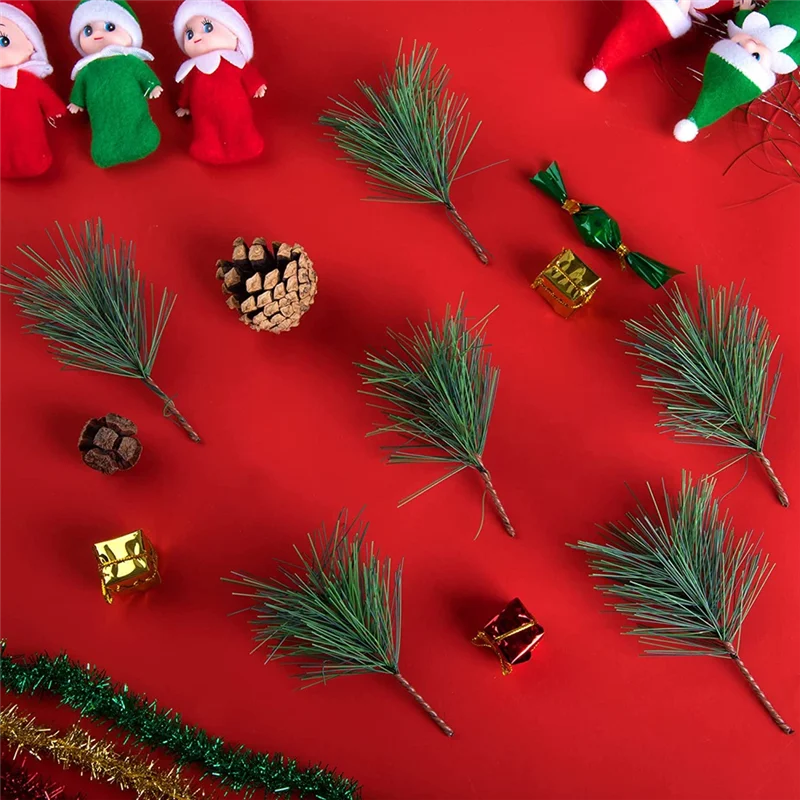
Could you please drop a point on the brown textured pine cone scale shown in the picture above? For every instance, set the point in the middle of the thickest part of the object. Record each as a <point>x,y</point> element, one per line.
<point>269,287</point>
<point>109,444</point>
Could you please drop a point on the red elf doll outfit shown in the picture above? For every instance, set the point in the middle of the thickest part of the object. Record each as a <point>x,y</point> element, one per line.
<point>217,86</point>
<point>27,103</point>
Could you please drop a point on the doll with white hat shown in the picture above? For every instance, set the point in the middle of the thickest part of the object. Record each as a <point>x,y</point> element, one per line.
<point>26,101</point>
<point>760,46</point>
<point>112,81</point>
<point>218,80</point>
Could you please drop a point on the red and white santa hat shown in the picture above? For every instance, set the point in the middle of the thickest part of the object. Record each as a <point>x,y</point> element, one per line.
<point>644,26</point>
<point>231,13</point>
<point>23,15</point>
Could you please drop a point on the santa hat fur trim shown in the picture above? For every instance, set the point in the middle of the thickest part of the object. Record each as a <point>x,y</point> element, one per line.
<point>116,11</point>
<point>19,14</point>
<point>222,12</point>
<point>676,22</point>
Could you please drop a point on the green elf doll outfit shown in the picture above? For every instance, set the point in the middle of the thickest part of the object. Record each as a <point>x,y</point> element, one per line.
<point>760,45</point>
<point>114,84</point>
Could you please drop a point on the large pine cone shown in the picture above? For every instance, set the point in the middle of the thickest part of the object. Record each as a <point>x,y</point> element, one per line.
<point>109,444</point>
<point>269,288</point>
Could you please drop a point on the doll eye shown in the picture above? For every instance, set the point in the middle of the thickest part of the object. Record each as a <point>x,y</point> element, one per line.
<point>189,34</point>
<point>208,27</point>
<point>4,41</point>
<point>87,30</point>
<point>756,56</point>
<point>110,26</point>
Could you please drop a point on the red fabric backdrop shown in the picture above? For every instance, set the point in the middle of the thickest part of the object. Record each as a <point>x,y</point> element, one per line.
<point>284,426</point>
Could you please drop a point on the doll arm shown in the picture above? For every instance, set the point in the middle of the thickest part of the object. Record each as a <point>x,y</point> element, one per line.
<point>148,80</point>
<point>183,96</point>
<point>77,97</point>
<point>50,103</point>
<point>252,81</point>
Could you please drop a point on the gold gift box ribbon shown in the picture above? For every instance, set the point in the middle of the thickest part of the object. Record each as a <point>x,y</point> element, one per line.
<point>482,639</point>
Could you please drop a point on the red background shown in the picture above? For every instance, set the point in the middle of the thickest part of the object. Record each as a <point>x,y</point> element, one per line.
<point>283,424</point>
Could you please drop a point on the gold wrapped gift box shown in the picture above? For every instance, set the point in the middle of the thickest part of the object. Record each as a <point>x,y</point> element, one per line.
<point>566,283</point>
<point>127,563</point>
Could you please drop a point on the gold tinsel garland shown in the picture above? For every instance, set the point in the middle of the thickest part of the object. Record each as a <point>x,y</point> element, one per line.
<point>78,749</point>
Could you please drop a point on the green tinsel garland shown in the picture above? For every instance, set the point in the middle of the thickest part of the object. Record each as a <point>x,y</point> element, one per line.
<point>92,693</point>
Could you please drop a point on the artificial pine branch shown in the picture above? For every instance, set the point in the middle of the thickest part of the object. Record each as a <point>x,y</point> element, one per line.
<point>413,140</point>
<point>438,394</point>
<point>710,370</point>
<point>683,578</point>
<point>93,694</point>
<point>337,613</point>
<point>92,306</point>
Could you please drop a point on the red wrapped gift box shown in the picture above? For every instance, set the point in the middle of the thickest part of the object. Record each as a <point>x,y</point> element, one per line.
<point>512,634</point>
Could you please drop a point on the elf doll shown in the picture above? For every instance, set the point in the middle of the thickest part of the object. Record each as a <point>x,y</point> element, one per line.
<point>112,81</point>
<point>646,25</point>
<point>25,99</point>
<point>218,80</point>
<point>760,45</point>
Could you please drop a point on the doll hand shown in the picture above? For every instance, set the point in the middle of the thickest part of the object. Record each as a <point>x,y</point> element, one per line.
<point>182,112</point>
<point>157,91</point>
<point>261,91</point>
<point>73,109</point>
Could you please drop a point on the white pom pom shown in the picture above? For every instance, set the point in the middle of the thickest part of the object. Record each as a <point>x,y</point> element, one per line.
<point>595,79</point>
<point>685,130</point>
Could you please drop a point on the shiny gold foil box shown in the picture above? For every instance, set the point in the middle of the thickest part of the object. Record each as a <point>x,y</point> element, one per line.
<point>566,283</point>
<point>127,563</point>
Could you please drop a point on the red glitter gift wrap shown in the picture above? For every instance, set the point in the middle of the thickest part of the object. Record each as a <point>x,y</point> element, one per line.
<point>512,634</point>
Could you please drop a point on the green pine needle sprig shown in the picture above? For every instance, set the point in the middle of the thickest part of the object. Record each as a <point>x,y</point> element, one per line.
<point>94,695</point>
<point>683,578</point>
<point>412,137</point>
<point>437,392</point>
<point>93,307</point>
<point>710,370</point>
<point>336,613</point>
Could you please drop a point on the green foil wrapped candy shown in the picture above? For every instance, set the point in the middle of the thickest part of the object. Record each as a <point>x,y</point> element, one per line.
<point>600,230</point>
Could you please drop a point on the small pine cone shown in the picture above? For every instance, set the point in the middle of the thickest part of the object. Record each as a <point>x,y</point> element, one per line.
<point>109,444</point>
<point>270,288</point>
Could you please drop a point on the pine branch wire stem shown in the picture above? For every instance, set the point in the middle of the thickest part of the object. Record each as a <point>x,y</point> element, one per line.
<point>779,490</point>
<point>487,479</point>
<point>445,728</point>
<point>171,410</point>
<point>757,691</point>
<point>465,231</point>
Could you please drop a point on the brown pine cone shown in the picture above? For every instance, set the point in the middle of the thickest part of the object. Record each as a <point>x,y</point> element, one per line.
<point>109,444</point>
<point>270,288</point>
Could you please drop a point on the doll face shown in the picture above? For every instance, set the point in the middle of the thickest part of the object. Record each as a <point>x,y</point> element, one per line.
<point>203,34</point>
<point>100,34</point>
<point>15,47</point>
<point>757,49</point>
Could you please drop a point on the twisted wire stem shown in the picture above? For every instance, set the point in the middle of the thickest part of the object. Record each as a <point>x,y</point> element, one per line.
<point>501,512</point>
<point>757,691</point>
<point>779,490</point>
<point>445,728</point>
<point>466,232</point>
<point>171,410</point>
